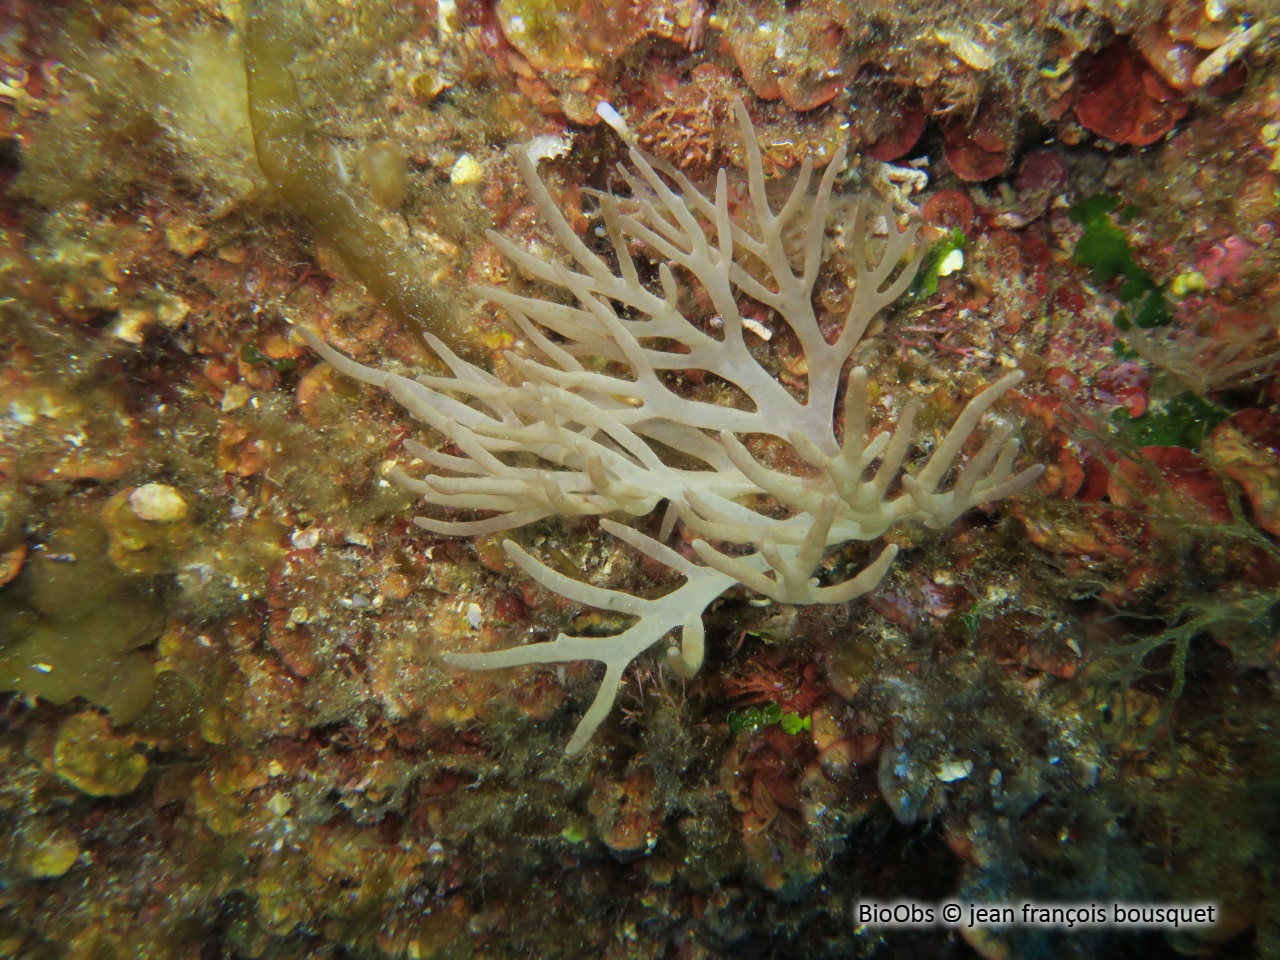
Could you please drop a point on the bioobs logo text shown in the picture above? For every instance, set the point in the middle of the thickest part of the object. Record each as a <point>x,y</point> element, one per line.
<point>905,914</point>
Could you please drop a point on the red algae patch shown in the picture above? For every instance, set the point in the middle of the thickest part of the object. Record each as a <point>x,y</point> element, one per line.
<point>1122,98</point>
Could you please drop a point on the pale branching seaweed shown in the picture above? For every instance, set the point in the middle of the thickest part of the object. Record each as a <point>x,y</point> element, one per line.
<point>596,425</point>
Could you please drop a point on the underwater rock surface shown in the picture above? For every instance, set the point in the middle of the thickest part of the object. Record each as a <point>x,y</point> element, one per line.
<point>229,729</point>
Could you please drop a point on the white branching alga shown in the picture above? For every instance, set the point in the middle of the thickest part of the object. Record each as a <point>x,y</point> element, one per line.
<point>596,423</point>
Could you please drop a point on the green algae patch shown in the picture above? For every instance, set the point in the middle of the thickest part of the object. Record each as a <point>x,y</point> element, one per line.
<point>1104,249</point>
<point>754,718</point>
<point>1181,421</point>
<point>96,760</point>
<point>936,261</point>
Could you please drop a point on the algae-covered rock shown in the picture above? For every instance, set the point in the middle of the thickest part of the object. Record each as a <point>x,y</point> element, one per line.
<point>93,758</point>
<point>153,94</point>
<point>46,849</point>
<point>148,528</point>
<point>71,624</point>
<point>571,38</point>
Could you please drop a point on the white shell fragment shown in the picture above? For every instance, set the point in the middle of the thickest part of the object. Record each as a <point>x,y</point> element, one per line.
<point>305,539</point>
<point>547,147</point>
<point>966,50</point>
<point>954,770</point>
<point>1215,64</point>
<point>951,263</point>
<point>158,502</point>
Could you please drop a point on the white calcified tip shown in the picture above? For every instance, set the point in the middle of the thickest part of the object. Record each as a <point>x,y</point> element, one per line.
<point>613,118</point>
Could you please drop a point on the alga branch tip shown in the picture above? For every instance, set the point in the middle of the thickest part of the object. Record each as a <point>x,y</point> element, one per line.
<point>300,170</point>
<point>569,438</point>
